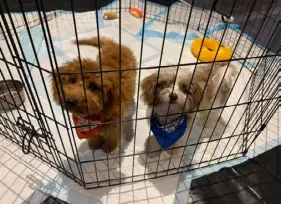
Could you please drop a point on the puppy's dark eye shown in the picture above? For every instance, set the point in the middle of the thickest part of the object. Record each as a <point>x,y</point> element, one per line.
<point>93,87</point>
<point>73,80</point>
<point>162,84</point>
<point>186,89</point>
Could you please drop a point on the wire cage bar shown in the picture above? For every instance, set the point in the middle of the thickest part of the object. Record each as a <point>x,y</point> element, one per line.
<point>35,44</point>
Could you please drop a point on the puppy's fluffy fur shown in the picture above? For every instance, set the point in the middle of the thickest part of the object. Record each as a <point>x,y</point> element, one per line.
<point>188,95</point>
<point>102,90</point>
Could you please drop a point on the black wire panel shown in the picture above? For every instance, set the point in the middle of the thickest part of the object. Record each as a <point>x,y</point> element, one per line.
<point>256,48</point>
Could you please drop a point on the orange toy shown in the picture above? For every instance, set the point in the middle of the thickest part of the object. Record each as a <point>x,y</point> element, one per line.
<point>210,50</point>
<point>109,16</point>
<point>87,131</point>
<point>136,12</point>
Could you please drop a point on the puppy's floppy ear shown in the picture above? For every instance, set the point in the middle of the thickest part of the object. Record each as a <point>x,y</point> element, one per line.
<point>148,89</point>
<point>55,82</point>
<point>194,92</point>
<point>203,94</point>
<point>198,87</point>
<point>110,86</point>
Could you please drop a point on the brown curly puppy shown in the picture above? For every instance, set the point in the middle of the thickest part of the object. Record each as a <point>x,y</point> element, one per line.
<point>102,90</point>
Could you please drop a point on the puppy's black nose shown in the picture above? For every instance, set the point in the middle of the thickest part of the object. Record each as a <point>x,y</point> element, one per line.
<point>173,97</point>
<point>71,102</point>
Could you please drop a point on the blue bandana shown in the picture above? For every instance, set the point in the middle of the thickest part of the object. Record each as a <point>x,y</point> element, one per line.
<point>168,134</point>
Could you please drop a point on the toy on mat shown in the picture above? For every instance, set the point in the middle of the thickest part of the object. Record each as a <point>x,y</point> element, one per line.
<point>109,16</point>
<point>136,12</point>
<point>89,125</point>
<point>209,50</point>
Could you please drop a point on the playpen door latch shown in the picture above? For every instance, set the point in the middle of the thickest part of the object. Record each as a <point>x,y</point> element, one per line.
<point>29,130</point>
<point>225,8</point>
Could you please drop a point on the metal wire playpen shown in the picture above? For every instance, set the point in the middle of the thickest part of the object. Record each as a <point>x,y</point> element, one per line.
<point>36,43</point>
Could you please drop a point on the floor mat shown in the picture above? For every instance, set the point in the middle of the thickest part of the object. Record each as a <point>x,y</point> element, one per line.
<point>254,181</point>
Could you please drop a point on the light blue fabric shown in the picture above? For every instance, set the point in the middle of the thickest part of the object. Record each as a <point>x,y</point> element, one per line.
<point>156,34</point>
<point>169,35</point>
<point>38,42</point>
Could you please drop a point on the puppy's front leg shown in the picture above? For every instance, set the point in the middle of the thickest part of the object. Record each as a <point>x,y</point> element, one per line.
<point>152,147</point>
<point>212,119</point>
<point>215,123</point>
<point>112,136</point>
<point>107,140</point>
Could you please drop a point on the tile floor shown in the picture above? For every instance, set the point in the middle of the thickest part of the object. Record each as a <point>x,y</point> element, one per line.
<point>25,179</point>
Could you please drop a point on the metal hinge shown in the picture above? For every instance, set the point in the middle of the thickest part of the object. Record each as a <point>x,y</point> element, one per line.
<point>29,130</point>
<point>262,127</point>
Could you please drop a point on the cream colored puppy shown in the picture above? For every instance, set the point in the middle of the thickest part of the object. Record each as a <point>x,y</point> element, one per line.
<point>170,98</point>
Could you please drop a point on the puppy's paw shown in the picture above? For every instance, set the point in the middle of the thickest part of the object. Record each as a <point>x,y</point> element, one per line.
<point>109,146</point>
<point>152,147</point>
<point>210,123</point>
<point>175,152</point>
<point>215,132</point>
<point>153,154</point>
<point>95,142</point>
<point>222,122</point>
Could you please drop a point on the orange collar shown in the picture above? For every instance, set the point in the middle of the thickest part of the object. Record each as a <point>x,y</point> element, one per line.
<point>91,125</point>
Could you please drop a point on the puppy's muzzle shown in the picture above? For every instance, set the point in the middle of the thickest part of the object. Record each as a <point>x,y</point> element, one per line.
<point>173,97</point>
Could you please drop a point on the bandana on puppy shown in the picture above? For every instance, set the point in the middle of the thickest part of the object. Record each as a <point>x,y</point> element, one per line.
<point>91,125</point>
<point>168,134</point>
